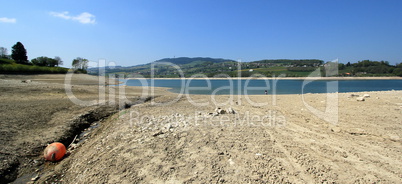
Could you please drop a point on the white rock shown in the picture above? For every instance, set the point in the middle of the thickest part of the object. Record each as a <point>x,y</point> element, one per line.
<point>360,98</point>
<point>231,111</point>
<point>366,96</point>
<point>336,129</point>
<point>394,137</point>
<point>168,126</point>
<point>231,161</point>
<point>35,178</point>
<point>220,111</point>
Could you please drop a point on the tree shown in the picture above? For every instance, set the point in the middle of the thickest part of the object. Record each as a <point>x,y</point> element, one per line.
<point>52,62</point>
<point>19,54</point>
<point>3,52</point>
<point>40,61</point>
<point>45,61</point>
<point>80,65</point>
<point>341,66</point>
<point>59,61</point>
<point>348,64</point>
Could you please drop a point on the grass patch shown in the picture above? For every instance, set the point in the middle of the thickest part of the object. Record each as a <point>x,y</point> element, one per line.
<point>8,66</point>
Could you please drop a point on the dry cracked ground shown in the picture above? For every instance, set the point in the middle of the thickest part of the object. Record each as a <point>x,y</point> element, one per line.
<point>240,139</point>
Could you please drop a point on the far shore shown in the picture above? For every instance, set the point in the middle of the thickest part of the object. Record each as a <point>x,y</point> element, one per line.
<point>285,78</point>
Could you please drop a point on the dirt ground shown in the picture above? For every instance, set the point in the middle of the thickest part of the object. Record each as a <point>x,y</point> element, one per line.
<point>35,111</point>
<point>189,140</point>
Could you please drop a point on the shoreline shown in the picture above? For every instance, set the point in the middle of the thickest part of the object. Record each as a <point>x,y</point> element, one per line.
<point>167,90</point>
<point>145,130</point>
<point>282,78</point>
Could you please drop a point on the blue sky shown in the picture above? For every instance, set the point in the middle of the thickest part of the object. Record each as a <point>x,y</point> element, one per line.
<point>140,31</point>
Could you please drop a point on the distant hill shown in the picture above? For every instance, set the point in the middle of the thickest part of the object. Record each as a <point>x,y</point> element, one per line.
<point>212,67</point>
<point>188,65</point>
<point>187,60</point>
<point>294,62</point>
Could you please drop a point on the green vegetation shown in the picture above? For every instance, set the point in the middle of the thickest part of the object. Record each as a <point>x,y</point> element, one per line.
<point>45,61</point>
<point>187,60</point>
<point>18,63</point>
<point>3,53</point>
<point>8,66</point>
<point>80,65</point>
<point>290,63</point>
<point>370,68</point>
<point>19,53</point>
<point>211,67</point>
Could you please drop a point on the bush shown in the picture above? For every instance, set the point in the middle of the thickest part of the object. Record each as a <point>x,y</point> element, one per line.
<point>398,72</point>
<point>28,69</point>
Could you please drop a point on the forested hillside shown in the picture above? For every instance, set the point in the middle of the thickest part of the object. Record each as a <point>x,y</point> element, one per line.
<point>211,67</point>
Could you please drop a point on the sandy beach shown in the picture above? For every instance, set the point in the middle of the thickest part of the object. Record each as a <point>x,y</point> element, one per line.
<point>162,137</point>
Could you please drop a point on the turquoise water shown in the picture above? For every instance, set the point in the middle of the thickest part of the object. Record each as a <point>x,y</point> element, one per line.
<point>257,86</point>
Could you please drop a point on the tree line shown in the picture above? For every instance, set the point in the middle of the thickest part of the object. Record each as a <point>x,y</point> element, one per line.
<point>19,55</point>
<point>367,67</point>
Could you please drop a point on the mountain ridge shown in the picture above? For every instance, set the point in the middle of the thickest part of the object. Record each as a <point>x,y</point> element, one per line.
<point>214,67</point>
<point>187,60</point>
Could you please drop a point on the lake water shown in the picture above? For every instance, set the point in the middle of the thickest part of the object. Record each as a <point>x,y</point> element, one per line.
<point>258,87</point>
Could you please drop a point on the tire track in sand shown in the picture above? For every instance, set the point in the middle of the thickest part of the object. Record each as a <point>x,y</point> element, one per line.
<point>291,161</point>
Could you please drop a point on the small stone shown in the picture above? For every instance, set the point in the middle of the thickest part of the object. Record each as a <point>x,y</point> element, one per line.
<point>73,146</point>
<point>360,99</point>
<point>231,111</point>
<point>231,162</point>
<point>366,96</point>
<point>158,133</point>
<point>168,126</point>
<point>394,138</point>
<point>35,178</point>
<point>336,129</point>
<point>220,111</point>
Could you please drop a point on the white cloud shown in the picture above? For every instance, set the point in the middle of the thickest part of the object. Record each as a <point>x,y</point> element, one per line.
<point>7,20</point>
<point>63,15</point>
<point>84,18</point>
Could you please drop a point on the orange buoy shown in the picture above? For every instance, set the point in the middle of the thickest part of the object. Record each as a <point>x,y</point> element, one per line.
<point>54,151</point>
